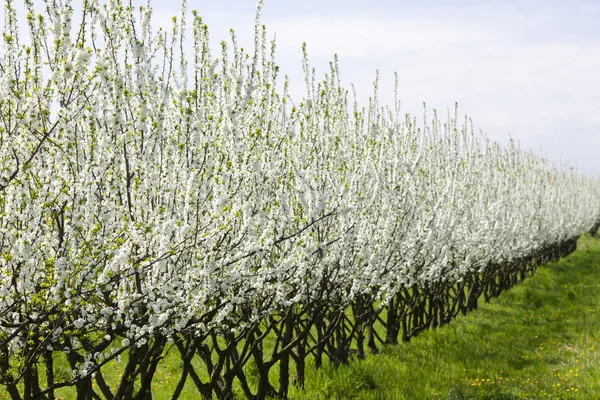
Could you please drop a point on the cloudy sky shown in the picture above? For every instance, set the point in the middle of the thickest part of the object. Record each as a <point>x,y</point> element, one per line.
<point>528,69</point>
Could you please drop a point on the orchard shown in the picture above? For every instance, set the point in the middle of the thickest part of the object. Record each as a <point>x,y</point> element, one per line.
<point>156,199</point>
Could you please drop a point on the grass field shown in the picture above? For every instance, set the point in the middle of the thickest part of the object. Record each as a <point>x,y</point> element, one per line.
<point>540,340</point>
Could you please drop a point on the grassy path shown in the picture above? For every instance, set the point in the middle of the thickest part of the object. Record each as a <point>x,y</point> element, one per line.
<point>540,340</point>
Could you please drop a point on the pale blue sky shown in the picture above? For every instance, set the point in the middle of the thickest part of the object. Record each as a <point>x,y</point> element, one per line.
<point>526,68</point>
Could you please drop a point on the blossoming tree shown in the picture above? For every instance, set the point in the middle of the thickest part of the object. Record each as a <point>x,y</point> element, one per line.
<point>153,203</point>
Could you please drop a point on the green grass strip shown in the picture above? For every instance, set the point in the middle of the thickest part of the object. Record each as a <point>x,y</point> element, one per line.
<point>539,340</point>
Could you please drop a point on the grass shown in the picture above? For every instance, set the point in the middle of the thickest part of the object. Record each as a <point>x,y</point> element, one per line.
<point>540,340</point>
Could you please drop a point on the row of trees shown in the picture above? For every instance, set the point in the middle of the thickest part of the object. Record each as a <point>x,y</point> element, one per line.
<point>153,203</point>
